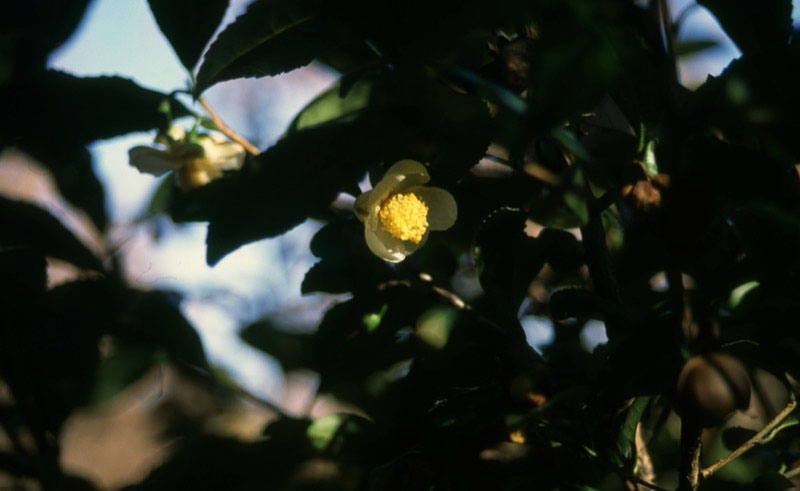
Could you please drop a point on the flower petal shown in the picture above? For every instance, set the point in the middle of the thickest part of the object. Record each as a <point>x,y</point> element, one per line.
<point>362,206</point>
<point>224,156</point>
<point>442,208</point>
<point>379,249</point>
<point>152,161</point>
<point>401,176</point>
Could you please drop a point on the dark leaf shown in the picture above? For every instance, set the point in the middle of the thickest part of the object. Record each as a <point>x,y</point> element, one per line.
<point>33,29</point>
<point>153,319</point>
<point>292,350</point>
<point>53,117</point>
<point>735,436</point>
<point>268,39</point>
<point>23,224</point>
<point>772,481</point>
<point>188,25</point>
<point>771,237</point>
<point>59,109</point>
<point>346,264</point>
<point>506,259</point>
<point>689,47</point>
<point>563,251</point>
<point>572,302</point>
<point>754,27</point>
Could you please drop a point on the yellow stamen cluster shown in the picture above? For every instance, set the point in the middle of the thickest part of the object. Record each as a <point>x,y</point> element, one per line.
<point>404,217</point>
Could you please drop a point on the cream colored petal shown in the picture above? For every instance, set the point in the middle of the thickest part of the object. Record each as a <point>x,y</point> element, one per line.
<point>401,176</point>
<point>362,206</point>
<point>410,169</point>
<point>225,156</point>
<point>379,249</point>
<point>176,133</point>
<point>152,161</point>
<point>442,208</point>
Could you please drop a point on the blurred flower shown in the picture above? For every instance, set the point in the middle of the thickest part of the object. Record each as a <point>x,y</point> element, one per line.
<point>196,159</point>
<point>398,213</point>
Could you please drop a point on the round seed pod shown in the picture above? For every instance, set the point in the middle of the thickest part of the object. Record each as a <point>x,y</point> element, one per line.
<point>711,387</point>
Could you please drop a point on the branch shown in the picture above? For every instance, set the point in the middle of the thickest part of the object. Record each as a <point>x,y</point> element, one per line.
<point>599,263</point>
<point>644,464</point>
<point>226,130</point>
<point>759,437</point>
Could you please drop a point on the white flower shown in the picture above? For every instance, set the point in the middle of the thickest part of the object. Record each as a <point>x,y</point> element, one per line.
<point>399,212</point>
<point>196,162</point>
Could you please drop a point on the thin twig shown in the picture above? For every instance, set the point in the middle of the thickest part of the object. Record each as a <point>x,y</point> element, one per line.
<point>790,474</point>
<point>691,447</point>
<point>752,442</point>
<point>226,130</point>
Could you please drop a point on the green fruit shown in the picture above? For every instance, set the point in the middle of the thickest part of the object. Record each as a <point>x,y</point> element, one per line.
<point>711,387</point>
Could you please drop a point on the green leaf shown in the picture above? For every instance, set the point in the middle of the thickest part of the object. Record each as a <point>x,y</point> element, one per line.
<point>754,27</point>
<point>562,207</point>
<point>120,369</point>
<point>268,39</point>
<point>772,481</point>
<point>330,105</point>
<point>188,25</point>
<point>23,224</point>
<point>627,434</point>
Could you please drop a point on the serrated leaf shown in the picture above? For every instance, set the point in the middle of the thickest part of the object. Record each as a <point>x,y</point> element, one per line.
<point>188,25</point>
<point>24,224</point>
<point>53,117</point>
<point>268,39</point>
<point>62,109</point>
